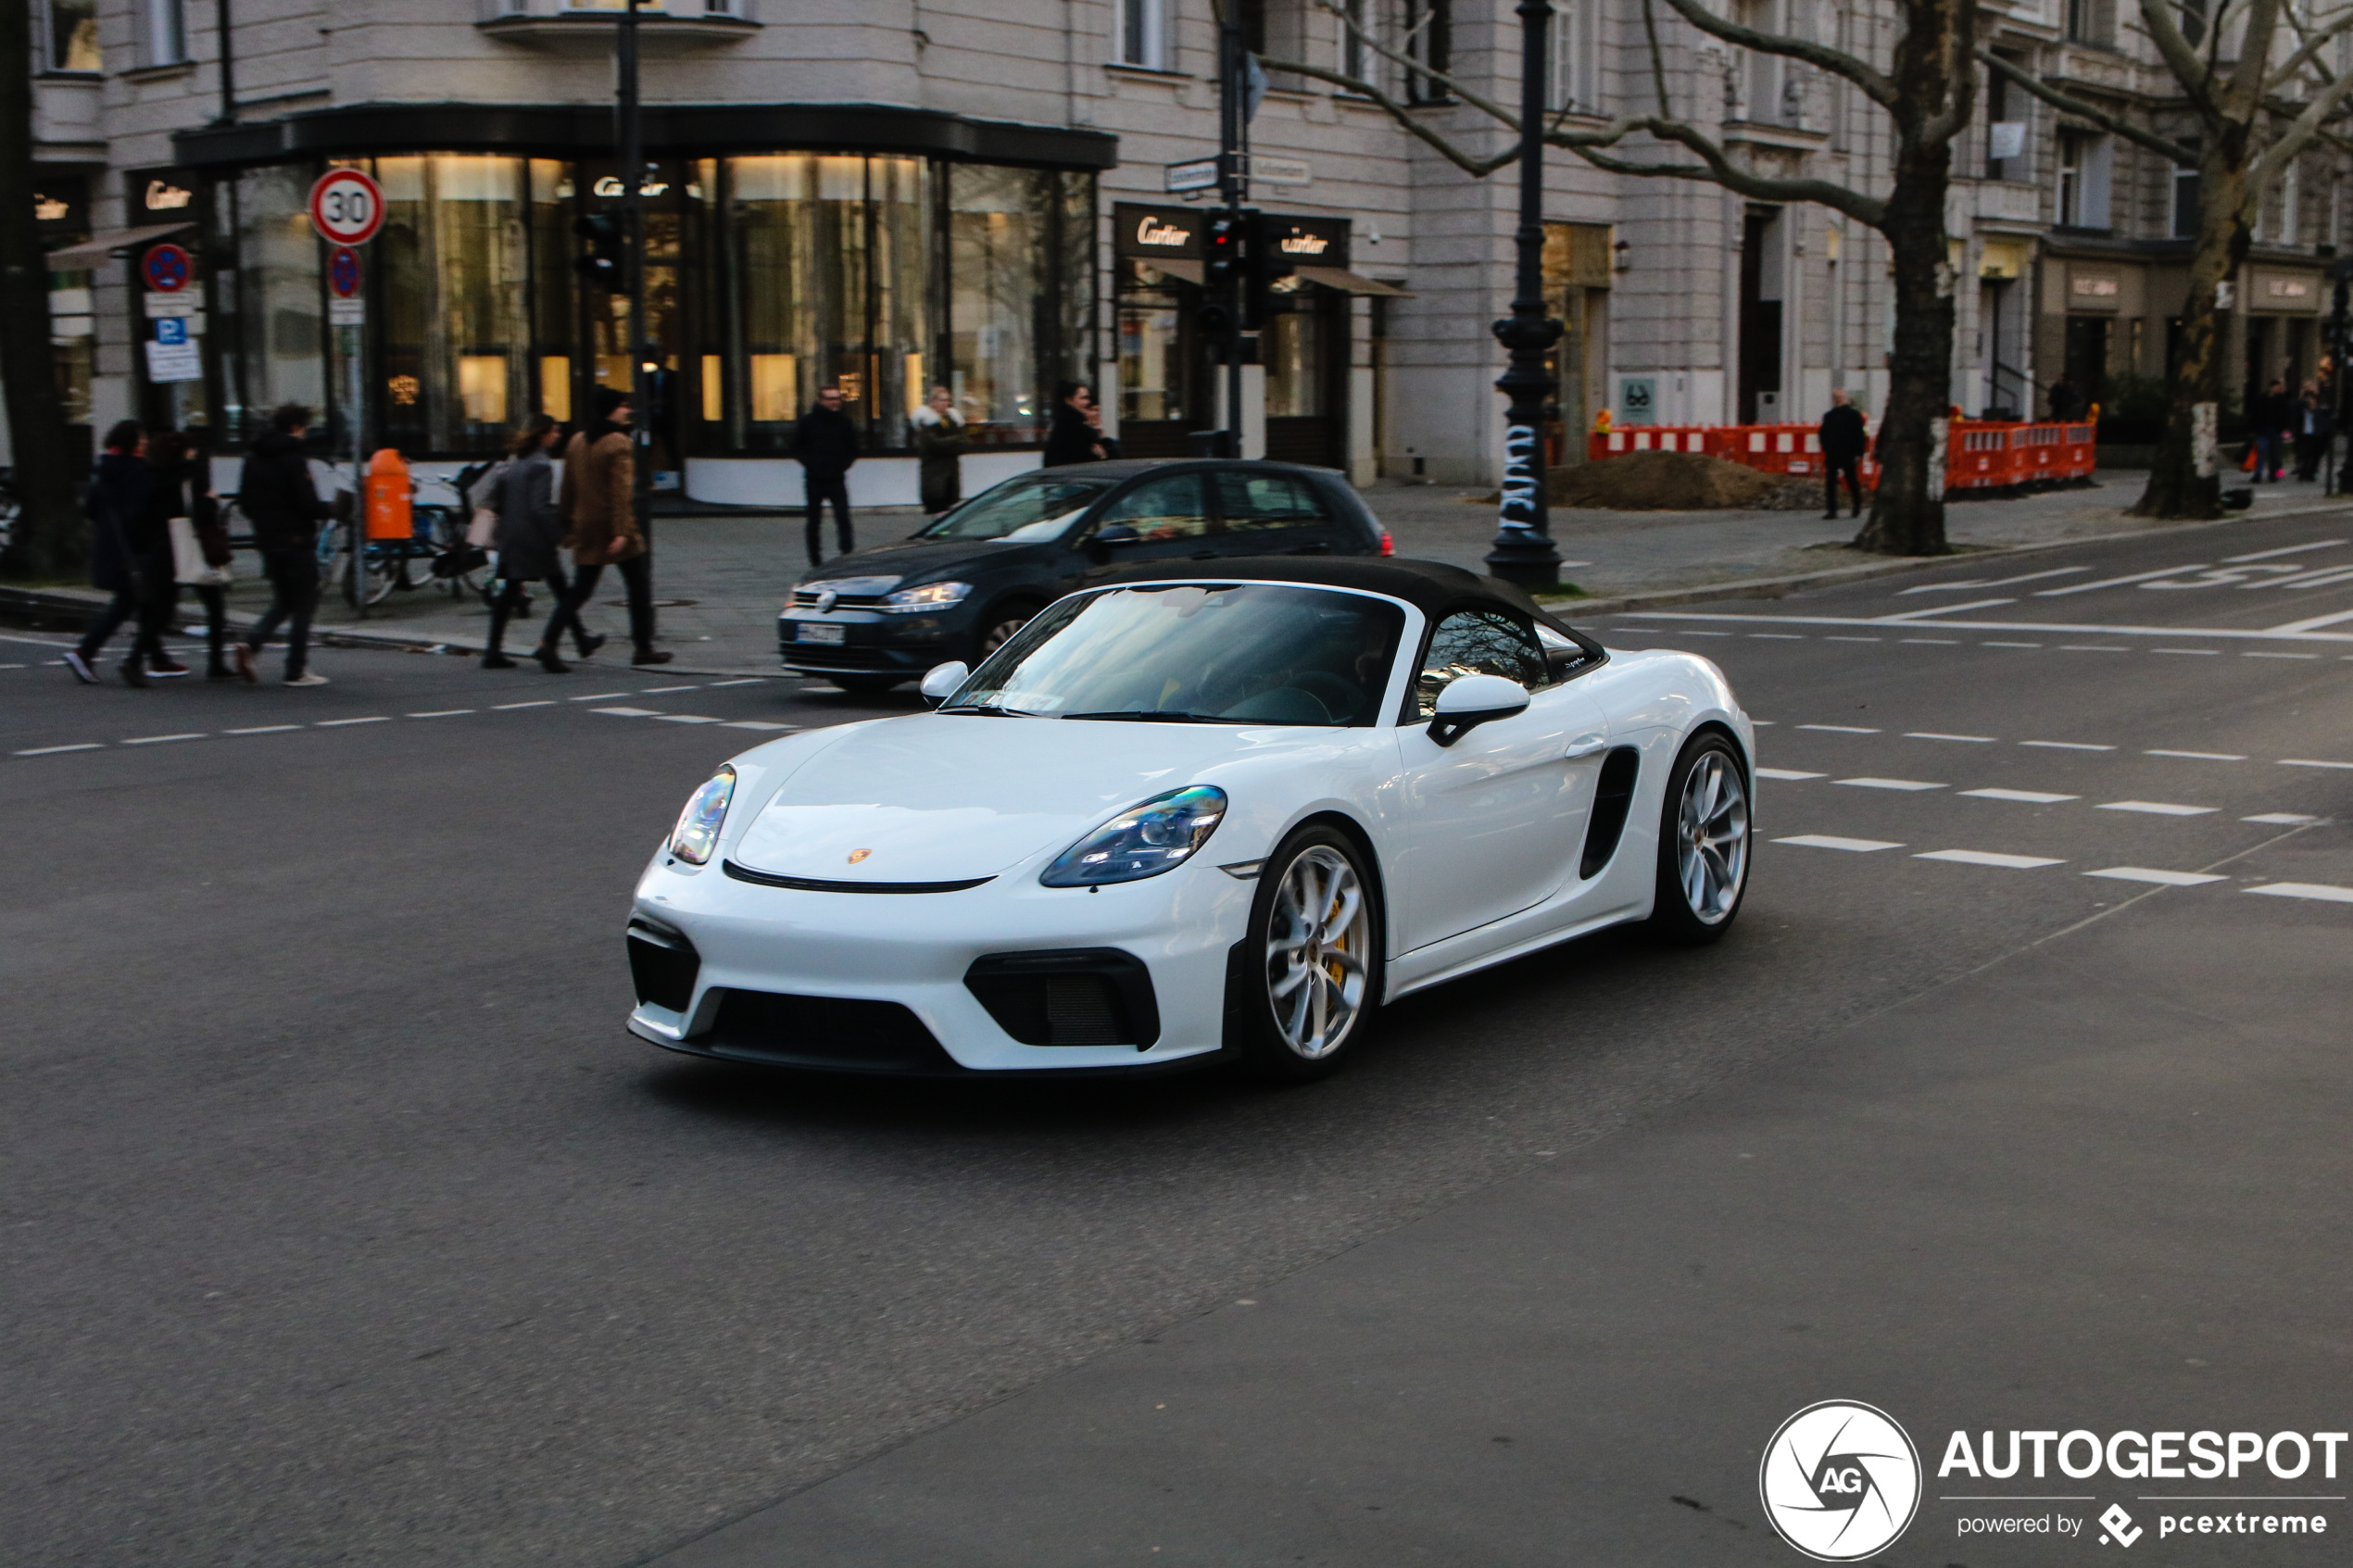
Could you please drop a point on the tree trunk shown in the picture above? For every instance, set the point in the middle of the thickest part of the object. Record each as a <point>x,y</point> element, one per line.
<point>1908,512</point>
<point>47,538</point>
<point>2175,488</point>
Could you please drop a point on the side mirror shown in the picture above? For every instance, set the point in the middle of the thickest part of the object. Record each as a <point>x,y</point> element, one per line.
<point>941,681</point>
<point>1472,700</point>
<point>1117,534</point>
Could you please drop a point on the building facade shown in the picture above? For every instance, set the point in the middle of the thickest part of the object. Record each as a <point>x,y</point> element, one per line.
<point>885,197</point>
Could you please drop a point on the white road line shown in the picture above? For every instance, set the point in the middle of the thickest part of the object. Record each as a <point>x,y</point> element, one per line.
<point>743,681</point>
<point>1934,734</point>
<point>628,712</point>
<point>1829,841</point>
<point>509,706</point>
<point>1691,634</point>
<point>1987,858</point>
<point>2115,582</point>
<point>687,718</point>
<point>2268,654</point>
<point>2067,745</point>
<point>2207,652</point>
<point>2011,645</point>
<point>2199,756</point>
<point>2156,808</point>
<point>2100,648</point>
<point>263,730</point>
<point>15,666</point>
<point>1889,783</point>
<point>2237,633</point>
<point>2310,762</point>
<point>2029,796</point>
<point>53,750</point>
<point>2288,550</point>
<point>1787,774</point>
<point>338,723</point>
<point>158,740</point>
<point>2281,819</point>
<point>1996,582</point>
<point>2163,879</point>
<point>1940,642</point>
<point>2316,623</point>
<point>1902,617</point>
<point>1840,729</point>
<point>2320,890</point>
<point>1779,636</point>
<point>1762,723</point>
<point>597,697</point>
<point>657,691</point>
<point>765,724</point>
<point>1854,639</point>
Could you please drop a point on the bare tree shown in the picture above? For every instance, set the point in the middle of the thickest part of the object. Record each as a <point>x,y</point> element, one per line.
<point>1928,92</point>
<point>47,535</point>
<point>2250,130</point>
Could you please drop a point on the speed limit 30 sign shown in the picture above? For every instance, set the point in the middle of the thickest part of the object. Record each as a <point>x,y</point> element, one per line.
<point>346,207</point>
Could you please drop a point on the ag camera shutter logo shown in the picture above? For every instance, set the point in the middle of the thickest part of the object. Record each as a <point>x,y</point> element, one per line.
<point>1840,1481</point>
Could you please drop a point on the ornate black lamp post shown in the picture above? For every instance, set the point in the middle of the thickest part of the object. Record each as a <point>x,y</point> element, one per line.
<point>1523,552</point>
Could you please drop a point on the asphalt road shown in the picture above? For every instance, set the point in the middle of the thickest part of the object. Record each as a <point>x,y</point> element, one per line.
<point>345,1223</point>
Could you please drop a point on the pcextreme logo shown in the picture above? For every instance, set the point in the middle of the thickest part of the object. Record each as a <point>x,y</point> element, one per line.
<point>1839,1480</point>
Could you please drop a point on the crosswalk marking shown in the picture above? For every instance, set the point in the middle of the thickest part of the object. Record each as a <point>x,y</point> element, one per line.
<point>1988,857</point>
<point>1831,841</point>
<point>2320,890</point>
<point>2163,879</point>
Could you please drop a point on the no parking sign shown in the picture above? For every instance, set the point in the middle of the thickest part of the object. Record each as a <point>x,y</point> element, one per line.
<point>166,268</point>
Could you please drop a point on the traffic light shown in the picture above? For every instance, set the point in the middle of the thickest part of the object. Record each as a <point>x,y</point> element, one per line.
<point>1221,266</point>
<point>605,265</point>
<point>1271,281</point>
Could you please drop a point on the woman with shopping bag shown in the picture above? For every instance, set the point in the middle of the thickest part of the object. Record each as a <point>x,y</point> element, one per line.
<point>191,523</point>
<point>530,535</point>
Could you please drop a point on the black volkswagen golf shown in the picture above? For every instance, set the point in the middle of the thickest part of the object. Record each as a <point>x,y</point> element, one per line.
<point>878,617</point>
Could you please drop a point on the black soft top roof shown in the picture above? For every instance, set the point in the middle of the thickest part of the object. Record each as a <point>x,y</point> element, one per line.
<point>1432,588</point>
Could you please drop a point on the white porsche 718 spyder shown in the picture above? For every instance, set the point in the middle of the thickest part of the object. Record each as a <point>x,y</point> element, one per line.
<point>1184,817</point>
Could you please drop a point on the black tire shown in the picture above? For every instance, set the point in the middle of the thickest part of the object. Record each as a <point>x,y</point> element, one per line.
<point>868,685</point>
<point>1702,861</point>
<point>1276,1036</point>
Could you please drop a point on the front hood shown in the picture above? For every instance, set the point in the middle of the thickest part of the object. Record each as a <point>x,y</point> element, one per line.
<point>941,798</point>
<point>920,561</point>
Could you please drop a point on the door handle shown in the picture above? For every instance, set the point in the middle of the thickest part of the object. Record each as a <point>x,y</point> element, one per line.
<point>1584,746</point>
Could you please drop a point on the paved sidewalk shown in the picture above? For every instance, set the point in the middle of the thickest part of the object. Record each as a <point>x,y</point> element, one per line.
<point>720,580</point>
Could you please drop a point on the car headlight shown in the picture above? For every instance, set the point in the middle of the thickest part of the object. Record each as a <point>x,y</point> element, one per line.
<point>1148,838</point>
<point>697,834</point>
<point>931,596</point>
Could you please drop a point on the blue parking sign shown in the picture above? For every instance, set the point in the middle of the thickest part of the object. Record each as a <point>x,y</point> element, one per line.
<point>171,329</point>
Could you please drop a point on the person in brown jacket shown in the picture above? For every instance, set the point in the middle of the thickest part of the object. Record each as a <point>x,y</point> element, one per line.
<point>598,499</point>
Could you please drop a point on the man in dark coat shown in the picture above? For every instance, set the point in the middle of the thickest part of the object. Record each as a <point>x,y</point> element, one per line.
<point>117,498</point>
<point>2267,421</point>
<point>1076,435</point>
<point>277,496</point>
<point>2067,404</point>
<point>2314,429</point>
<point>1843,441</point>
<point>826,442</point>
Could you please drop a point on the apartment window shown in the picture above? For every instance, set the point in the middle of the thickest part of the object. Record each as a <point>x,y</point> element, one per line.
<point>2085,163</point>
<point>2185,201</point>
<point>1428,43</point>
<point>1764,76</point>
<point>2091,21</point>
<point>1356,58</point>
<point>163,31</point>
<point>2279,222</point>
<point>1143,34</point>
<point>1574,77</point>
<point>2005,127</point>
<point>73,36</point>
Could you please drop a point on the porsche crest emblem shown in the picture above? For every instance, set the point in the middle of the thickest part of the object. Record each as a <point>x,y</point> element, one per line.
<point>858,855</point>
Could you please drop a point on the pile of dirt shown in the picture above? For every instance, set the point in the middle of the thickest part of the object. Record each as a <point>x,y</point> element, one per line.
<point>1677,482</point>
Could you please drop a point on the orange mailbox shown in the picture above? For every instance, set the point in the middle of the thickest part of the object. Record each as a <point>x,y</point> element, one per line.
<point>385,494</point>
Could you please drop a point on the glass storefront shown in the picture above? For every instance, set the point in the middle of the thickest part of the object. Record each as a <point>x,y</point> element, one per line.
<point>769,275</point>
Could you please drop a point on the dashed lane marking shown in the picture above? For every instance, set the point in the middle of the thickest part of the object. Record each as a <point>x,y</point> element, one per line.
<point>1787,774</point>
<point>1831,841</point>
<point>2310,762</point>
<point>442,713</point>
<point>626,712</point>
<point>1856,639</point>
<point>2279,655</point>
<point>1780,636</point>
<point>2067,745</point>
<point>509,707</point>
<point>687,717</point>
<point>2162,879</point>
<point>2156,808</point>
<point>338,723</point>
<point>53,750</point>
<point>2199,756</point>
<point>2281,819</point>
<point>2285,550</point>
<point>263,730</point>
<point>2093,647</point>
<point>740,681</point>
<point>1935,734</point>
<point>1941,642</point>
<point>1889,783</point>
<point>158,740</point>
<point>2011,645</point>
<point>1840,729</point>
<point>597,697</point>
<point>1988,857</point>
<point>768,724</point>
<point>658,691</point>
<point>2207,653</point>
<point>2029,796</point>
<point>2320,890</point>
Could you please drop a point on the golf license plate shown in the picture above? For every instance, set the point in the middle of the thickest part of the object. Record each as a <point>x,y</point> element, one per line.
<point>817,631</point>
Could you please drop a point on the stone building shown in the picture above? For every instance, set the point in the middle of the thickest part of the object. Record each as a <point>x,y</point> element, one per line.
<point>885,195</point>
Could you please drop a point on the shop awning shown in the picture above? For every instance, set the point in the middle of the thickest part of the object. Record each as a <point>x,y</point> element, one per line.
<point>1340,278</point>
<point>95,250</point>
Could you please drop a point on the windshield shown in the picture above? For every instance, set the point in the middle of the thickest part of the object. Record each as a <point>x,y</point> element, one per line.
<point>1033,507</point>
<point>1235,654</point>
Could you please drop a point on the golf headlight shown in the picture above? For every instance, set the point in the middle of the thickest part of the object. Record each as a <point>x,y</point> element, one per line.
<point>1156,835</point>
<point>697,834</point>
<point>931,596</point>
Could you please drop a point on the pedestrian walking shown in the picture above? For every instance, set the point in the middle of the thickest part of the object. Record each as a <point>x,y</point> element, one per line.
<point>1844,440</point>
<point>598,499</point>
<point>1076,433</point>
<point>276,494</point>
<point>827,443</point>
<point>2267,419</point>
<point>117,501</point>
<point>2315,428</point>
<point>529,537</point>
<point>183,515</point>
<point>940,442</point>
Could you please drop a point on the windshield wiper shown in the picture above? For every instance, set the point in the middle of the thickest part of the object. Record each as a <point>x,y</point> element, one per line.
<point>1149,715</point>
<point>990,711</point>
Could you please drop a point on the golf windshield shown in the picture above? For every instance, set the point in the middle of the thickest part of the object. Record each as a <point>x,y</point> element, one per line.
<point>1246,653</point>
<point>1033,507</point>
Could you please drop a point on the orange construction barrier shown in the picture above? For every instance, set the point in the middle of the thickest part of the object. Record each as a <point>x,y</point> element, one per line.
<point>1646,438</point>
<point>1980,454</point>
<point>385,494</point>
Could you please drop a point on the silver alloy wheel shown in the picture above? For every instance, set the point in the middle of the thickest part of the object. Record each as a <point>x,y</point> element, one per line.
<point>1711,838</point>
<point>1318,935</point>
<point>997,636</point>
